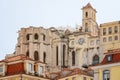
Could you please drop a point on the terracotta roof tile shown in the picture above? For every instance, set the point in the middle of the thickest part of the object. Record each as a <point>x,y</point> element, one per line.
<point>15,69</point>
<point>115,59</point>
<point>71,72</point>
<point>115,54</point>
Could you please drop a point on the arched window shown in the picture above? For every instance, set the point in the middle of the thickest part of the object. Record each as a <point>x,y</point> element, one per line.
<point>64,50</point>
<point>44,57</point>
<point>106,75</point>
<point>95,60</point>
<point>56,55</point>
<point>86,14</point>
<point>36,56</point>
<point>36,36</point>
<point>28,36</point>
<point>43,37</point>
<point>73,58</point>
<point>86,27</point>
<point>27,53</point>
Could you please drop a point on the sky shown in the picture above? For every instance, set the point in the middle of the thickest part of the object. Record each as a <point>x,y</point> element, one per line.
<point>16,14</point>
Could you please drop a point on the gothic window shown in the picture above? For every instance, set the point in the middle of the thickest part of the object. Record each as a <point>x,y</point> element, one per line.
<point>115,29</point>
<point>110,30</point>
<point>27,53</point>
<point>116,37</point>
<point>57,55</point>
<point>95,60</point>
<point>86,14</point>
<point>106,75</point>
<point>104,31</point>
<point>73,58</point>
<point>64,50</point>
<point>110,38</point>
<point>36,56</point>
<point>44,57</point>
<point>104,39</point>
<point>43,37</point>
<point>36,36</point>
<point>28,36</point>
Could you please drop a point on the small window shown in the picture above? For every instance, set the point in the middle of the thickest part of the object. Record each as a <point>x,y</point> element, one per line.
<point>110,30</point>
<point>36,55</point>
<point>86,14</point>
<point>109,58</point>
<point>73,58</point>
<point>36,36</point>
<point>110,38</point>
<point>43,37</point>
<point>44,57</point>
<point>28,36</point>
<point>104,39</point>
<point>115,29</point>
<point>116,37</point>
<point>86,27</point>
<point>104,31</point>
<point>1,69</point>
<point>106,75</point>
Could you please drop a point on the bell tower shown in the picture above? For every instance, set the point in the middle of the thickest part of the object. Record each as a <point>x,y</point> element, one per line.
<point>89,24</point>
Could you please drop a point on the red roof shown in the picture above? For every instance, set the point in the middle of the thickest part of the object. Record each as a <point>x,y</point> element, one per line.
<point>115,59</point>
<point>70,72</point>
<point>16,68</point>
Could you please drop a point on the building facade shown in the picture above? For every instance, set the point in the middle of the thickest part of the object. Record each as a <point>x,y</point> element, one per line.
<point>63,48</point>
<point>21,67</point>
<point>57,49</point>
<point>109,68</point>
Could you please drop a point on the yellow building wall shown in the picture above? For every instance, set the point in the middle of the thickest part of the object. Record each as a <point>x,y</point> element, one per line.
<point>114,73</point>
<point>100,74</point>
<point>109,45</point>
<point>77,77</point>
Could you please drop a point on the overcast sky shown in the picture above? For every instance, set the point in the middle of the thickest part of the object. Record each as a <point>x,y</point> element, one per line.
<point>15,14</point>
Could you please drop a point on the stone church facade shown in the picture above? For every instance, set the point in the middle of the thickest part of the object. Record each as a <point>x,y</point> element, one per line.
<point>63,48</point>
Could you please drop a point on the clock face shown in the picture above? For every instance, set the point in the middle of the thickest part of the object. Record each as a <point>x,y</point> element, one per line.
<point>81,41</point>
